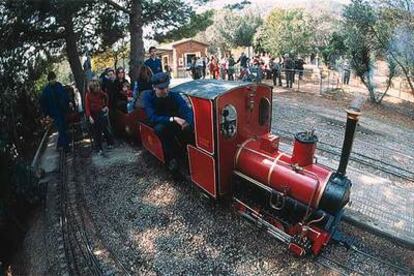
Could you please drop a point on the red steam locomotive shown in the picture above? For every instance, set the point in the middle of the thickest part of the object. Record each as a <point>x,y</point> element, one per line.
<point>235,155</point>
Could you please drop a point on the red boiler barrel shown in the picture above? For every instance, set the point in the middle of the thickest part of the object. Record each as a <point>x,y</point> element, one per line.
<point>275,171</point>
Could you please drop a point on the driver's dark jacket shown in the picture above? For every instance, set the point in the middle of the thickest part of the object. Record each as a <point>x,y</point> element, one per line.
<point>159,110</point>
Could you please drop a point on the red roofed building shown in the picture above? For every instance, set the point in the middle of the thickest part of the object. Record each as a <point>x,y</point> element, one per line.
<point>178,54</point>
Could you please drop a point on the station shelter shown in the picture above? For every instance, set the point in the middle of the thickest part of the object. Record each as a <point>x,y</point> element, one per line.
<point>178,54</point>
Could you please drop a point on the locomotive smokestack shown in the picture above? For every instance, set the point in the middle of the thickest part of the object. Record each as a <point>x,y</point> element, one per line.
<point>353,114</point>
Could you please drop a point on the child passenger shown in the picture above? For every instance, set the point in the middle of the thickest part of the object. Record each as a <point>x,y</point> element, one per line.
<point>127,94</point>
<point>96,109</point>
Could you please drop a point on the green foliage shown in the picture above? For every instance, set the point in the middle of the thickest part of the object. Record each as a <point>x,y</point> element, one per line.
<point>259,39</point>
<point>238,30</point>
<point>212,35</point>
<point>370,32</point>
<point>230,29</point>
<point>111,27</point>
<point>237,6</point>
<point>169,15</point>
<point>286,31</point>
<point>358,22</point>
<point>334,49</point>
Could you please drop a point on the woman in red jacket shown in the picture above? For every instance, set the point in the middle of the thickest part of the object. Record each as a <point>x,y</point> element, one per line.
<point>96,108</point>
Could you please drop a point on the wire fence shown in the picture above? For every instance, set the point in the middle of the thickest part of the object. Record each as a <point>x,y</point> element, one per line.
<point>305,80</point>
<point>312,80</point>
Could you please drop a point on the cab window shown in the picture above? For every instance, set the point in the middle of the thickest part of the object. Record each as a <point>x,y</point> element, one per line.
<point>264,111</point>
<point>228,122</point>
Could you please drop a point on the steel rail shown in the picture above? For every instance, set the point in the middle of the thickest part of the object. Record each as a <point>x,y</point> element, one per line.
<point>71,230</point>
<point>385,262</point>
<point>36,158</point>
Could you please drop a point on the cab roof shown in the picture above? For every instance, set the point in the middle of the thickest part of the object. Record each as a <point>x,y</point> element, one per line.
<point>208,89</point>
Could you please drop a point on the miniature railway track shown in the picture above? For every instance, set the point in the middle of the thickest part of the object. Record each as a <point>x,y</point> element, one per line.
<point>74,239</point>
<point>79,247</point>
<point>358,157</point>
<point>342,268</point>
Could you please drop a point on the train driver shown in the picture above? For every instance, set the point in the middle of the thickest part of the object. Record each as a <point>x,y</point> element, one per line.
<point>171,117</point>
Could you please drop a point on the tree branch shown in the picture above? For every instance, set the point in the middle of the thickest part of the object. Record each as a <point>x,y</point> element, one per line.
<point>117,6</point>
<point>392,54</point>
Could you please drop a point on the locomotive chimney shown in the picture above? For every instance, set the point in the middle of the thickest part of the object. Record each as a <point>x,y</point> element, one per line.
<point>353,114</point>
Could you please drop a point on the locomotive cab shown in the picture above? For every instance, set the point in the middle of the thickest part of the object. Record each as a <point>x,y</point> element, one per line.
<point>226,114</point>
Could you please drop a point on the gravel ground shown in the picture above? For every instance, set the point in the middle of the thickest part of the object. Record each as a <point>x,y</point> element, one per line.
<point>163,226</point>
<point>171,230</point>
<point>158,225</point>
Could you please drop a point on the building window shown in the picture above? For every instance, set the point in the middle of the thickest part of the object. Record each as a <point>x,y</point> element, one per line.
<point>189,59</point>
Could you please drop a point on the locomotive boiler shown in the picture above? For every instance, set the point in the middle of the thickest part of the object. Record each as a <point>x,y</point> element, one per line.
<point>235,155</point>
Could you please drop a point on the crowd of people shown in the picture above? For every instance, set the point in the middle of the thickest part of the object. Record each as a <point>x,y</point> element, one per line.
<point>250,69</point>
<point>147,88</point>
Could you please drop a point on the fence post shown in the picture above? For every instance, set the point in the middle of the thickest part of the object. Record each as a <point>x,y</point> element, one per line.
<point>320,85</point>
<point>329,79</point>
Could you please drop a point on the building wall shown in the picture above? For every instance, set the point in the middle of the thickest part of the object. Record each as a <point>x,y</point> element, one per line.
<point>181,51</point>
<point>167,56</point>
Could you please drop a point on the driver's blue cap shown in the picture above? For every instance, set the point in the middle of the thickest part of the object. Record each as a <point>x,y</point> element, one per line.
<point>160,80</point>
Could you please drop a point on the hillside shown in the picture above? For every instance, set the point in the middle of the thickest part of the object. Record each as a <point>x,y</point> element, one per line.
<point>314,6</point>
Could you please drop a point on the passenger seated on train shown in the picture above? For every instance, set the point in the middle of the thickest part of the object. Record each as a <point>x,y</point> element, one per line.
<point>140,85</point>
<point>126,91</point>
<point>123,97</point>
<point>120,96</point>
<point>170,116</point>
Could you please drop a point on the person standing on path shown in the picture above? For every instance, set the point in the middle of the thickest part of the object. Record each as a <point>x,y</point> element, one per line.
<point>243,59</point>
<point>276,72</point>
<point>289,67</point>
<point>108,85</point>
<point>230,65</point>
<point>223,68</point>
<point>96,109</point>
<point>347,72</point>
<point>204,67</point>
<point>299,66</point>
<point>154,62</point>
<point>55,104</point>
<point>213,67</point>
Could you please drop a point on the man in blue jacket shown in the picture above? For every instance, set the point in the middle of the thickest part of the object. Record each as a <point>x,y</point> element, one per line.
<point>170,115</point>
<point>153,62</point>
<point>54,102</point>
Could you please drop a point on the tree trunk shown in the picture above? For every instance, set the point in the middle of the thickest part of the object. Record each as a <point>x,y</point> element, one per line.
<point>369,86</point>
<point>115,60</point>
<point>73,56</point>
<point>135,29</point>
